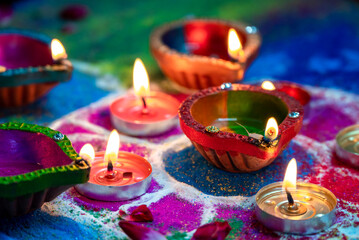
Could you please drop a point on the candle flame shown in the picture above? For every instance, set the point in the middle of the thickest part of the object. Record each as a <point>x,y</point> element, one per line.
<point>234,45</point>
<point>268,85</point>
<point>271,130</point>
<point>57,50</point>
<point>290,178</point>
<point>141,83</point>
<point>113,144</point>
<point>87,152</point>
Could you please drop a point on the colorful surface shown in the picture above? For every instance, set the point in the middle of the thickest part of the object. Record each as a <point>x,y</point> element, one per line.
<point>312,43</point>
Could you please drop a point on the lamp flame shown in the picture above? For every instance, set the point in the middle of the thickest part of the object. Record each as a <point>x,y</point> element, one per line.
<point>235,49</point>
<point>87,152</point>
<point>271,131</point>
<point>113,144</point>
<point>57,50</point>
<point>141,83</point>
<point>290,178</point>
<point>268,85</point>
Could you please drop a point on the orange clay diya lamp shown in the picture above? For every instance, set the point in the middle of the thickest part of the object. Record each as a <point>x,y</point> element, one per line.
<point>201,53</point>
<point>240,128</point>
<point>30,65</point>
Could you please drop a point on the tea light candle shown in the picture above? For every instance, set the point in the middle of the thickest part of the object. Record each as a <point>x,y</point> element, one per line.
<point>292,89</point>
<point>347,145</point>
<point>144,113</point>
<point>115,175</point>
<point>291,207</point>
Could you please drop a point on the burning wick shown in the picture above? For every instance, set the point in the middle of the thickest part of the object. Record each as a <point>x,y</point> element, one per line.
<point>271,131</point>
<point>141,84</point>
<point>291,204</point>
<point>113,144</point>
<point>290,181</point>
<point>144,102</point>
<point>110,167</point>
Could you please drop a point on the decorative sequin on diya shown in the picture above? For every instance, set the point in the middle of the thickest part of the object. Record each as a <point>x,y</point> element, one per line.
<point>28,70</point>
<point>194,53</point>
<point>36,165</point>
<point>240,112</point>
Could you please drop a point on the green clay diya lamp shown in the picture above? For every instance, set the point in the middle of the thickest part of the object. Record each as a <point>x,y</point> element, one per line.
<point>31,64</point>
<point>36,165</point>
<point>240,128</point>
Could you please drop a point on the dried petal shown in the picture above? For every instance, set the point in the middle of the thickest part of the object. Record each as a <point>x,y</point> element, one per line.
<point>137,232</point>
<point>212,231</point>
<point>140,214</point>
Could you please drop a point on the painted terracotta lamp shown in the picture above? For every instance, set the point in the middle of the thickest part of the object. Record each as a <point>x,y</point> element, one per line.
<point>31,64</point>
<point>202,53</point>
<point>36,165</point>
<point>240,128</point>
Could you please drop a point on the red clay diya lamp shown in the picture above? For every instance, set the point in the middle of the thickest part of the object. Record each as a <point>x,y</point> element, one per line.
<point>29,66</point>
<point>292,89</point>
<point>36,165</point>
<point>234,126</point>
<point>202,53</point>
<point>295,207</point>
<point>115,175</point>
<point>144,113</point>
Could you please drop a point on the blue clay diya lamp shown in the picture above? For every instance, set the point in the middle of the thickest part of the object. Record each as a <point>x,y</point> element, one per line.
<point>31,64</point>
<point>36,165</point>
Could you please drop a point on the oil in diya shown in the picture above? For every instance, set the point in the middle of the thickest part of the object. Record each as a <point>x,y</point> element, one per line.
<point>145,113</point>
<point>115,175</point>
<point>295,207</point>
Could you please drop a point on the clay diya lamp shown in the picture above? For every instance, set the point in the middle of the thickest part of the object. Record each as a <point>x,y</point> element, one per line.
<point>201,53</point>
<point>36,165</point>
<point>115,175</point>
<point>30,67</point>
<point>235,126</point>
<point>290,88</point>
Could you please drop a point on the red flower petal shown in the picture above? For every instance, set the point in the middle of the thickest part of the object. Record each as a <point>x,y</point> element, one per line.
<point>137,232</point>
<point>141,214</point>
<point>212,231</point>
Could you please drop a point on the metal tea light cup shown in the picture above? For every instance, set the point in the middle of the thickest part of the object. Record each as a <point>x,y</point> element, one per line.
<point>347,145</point>
<point>316,208</point>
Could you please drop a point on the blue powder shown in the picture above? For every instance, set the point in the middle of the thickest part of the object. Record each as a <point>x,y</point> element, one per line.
<point>41,225</point>
<point>190,167</point>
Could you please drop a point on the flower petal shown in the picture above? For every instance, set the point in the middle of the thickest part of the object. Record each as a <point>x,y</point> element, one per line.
<point>137,232</point>
<point>212,231</point>
<point>141,214</point>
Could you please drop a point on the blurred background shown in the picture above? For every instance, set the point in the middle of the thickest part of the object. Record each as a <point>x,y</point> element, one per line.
<point>309,42</point>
